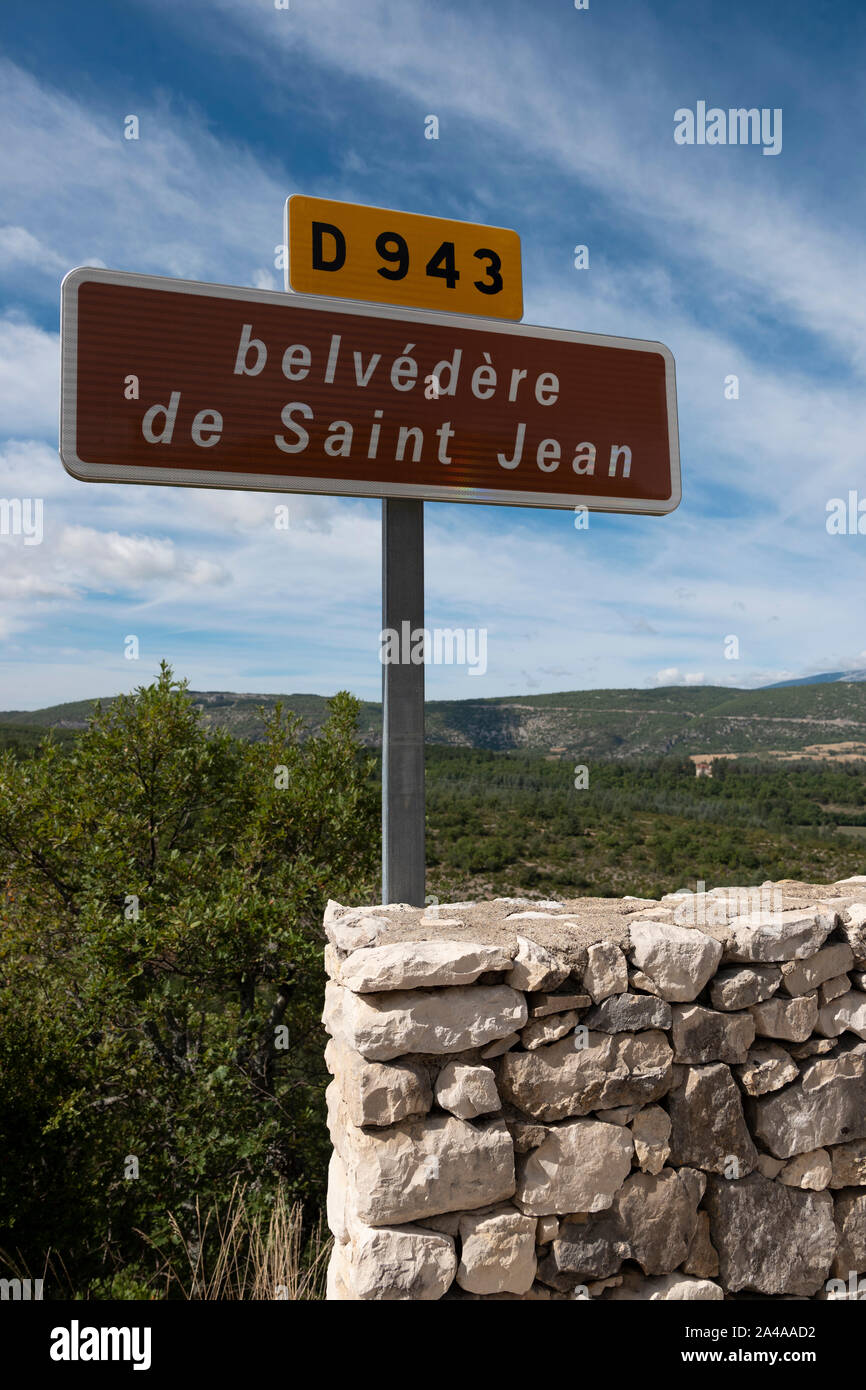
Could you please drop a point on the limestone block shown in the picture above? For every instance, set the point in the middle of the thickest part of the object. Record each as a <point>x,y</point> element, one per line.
<point>849,1164</point>
<point>525,1135</point>
<point>378,1093</point>
<point>422,1167</point>
<point>706,1035</point>
<point>498,1251</point>
<point>768,1067</point>
<point>708,1127</point>
<point>540,1005</point>
<point>658,1215</point>
<point>667,1288</point>
<point>541,1031</point>
<point>780,1017</point>
<point>853,928</point>
<point>605,972</point>
<point>586,1249</point>
<point>332,958</point>
<point>629,1013</point>
<point>771,1239</point>
<point>642,983</point>
<point>336,1203</point>
<point>547,1230</point>
<point>554,1082</point>
<point>811,1171</point>
<point>679,960</point>
<point>384,1026</point>
<point>579,1167</point>
<point>832,989</point>
<point>353,928</point>
<point>336,1290</point>
<point>777,936</point>
<point>825,1106</point>
<point>850,1218</point>
<point>419,965</point>
<point>651,1129</point>
<point>467,1091</point>
<point>535,968</point>
<point>802,976</point>
<point>845,1014</point>
<point>398,1263</point>
<point>738,986</point>
<point>812,1047</point>
<point>703,1257</point>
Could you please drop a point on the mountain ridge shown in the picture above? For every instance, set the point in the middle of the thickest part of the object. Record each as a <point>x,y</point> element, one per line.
<point>810,718</point>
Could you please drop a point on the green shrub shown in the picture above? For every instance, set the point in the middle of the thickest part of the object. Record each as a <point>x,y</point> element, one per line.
<point>161,980</point>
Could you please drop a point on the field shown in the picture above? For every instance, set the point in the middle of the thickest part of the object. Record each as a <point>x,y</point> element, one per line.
<point>510,824</point>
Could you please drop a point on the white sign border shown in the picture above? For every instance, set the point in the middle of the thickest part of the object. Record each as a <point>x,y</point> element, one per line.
<point>341,487</point>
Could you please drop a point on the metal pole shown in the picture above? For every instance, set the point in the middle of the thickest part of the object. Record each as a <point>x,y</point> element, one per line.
<point>403,859</point>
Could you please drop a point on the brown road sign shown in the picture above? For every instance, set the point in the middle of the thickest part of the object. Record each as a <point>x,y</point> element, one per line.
<point>351,251</point>
<point>171,381</point>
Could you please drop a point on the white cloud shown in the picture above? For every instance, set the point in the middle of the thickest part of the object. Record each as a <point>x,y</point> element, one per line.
<point>264,280</point>
<point>152,205</point>
<point>109,561</point>
<point>672,675</point>
<point>29,378</point>
<point>19,247</point>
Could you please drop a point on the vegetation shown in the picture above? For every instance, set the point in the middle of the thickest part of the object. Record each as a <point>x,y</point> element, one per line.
<point>162,883</point>
<point>161,979</point>
<point>510,823</point>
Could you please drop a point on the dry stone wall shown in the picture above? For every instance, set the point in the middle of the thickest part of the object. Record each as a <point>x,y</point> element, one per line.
<point>600,1099</point>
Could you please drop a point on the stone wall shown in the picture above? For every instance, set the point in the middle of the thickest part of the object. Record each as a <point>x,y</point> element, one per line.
<point>602,1098</point>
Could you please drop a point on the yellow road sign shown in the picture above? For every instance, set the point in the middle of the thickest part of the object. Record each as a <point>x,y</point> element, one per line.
<point>350,251</point>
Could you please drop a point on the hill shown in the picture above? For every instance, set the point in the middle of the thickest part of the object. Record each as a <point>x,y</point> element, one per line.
<point>821,679</point>
<point>823,719</point>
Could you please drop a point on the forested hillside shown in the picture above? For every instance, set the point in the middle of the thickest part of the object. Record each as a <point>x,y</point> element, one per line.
<point>594,723</point>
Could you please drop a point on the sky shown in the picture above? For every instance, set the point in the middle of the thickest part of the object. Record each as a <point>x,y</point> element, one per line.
<point>555,121</point>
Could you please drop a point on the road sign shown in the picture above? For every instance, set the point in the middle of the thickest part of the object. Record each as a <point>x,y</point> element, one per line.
<point>350,251</point>
<point>172,381</point>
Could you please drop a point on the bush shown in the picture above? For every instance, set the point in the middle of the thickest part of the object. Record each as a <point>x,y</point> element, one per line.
<point>161,893</point>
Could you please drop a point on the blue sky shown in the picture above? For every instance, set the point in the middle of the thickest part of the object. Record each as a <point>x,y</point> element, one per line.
<point>554,121</point>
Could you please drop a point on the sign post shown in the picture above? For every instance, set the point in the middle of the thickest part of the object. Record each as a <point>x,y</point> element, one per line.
<point>403,849</point>
<point>380,255</point>
<point>196,385</point>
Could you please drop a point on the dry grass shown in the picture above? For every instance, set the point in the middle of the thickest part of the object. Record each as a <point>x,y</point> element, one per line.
<point>230,1253</point>
<point>235,1253</point>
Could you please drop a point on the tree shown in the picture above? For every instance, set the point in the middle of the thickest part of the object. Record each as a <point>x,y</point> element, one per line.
<point>161,972</point>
